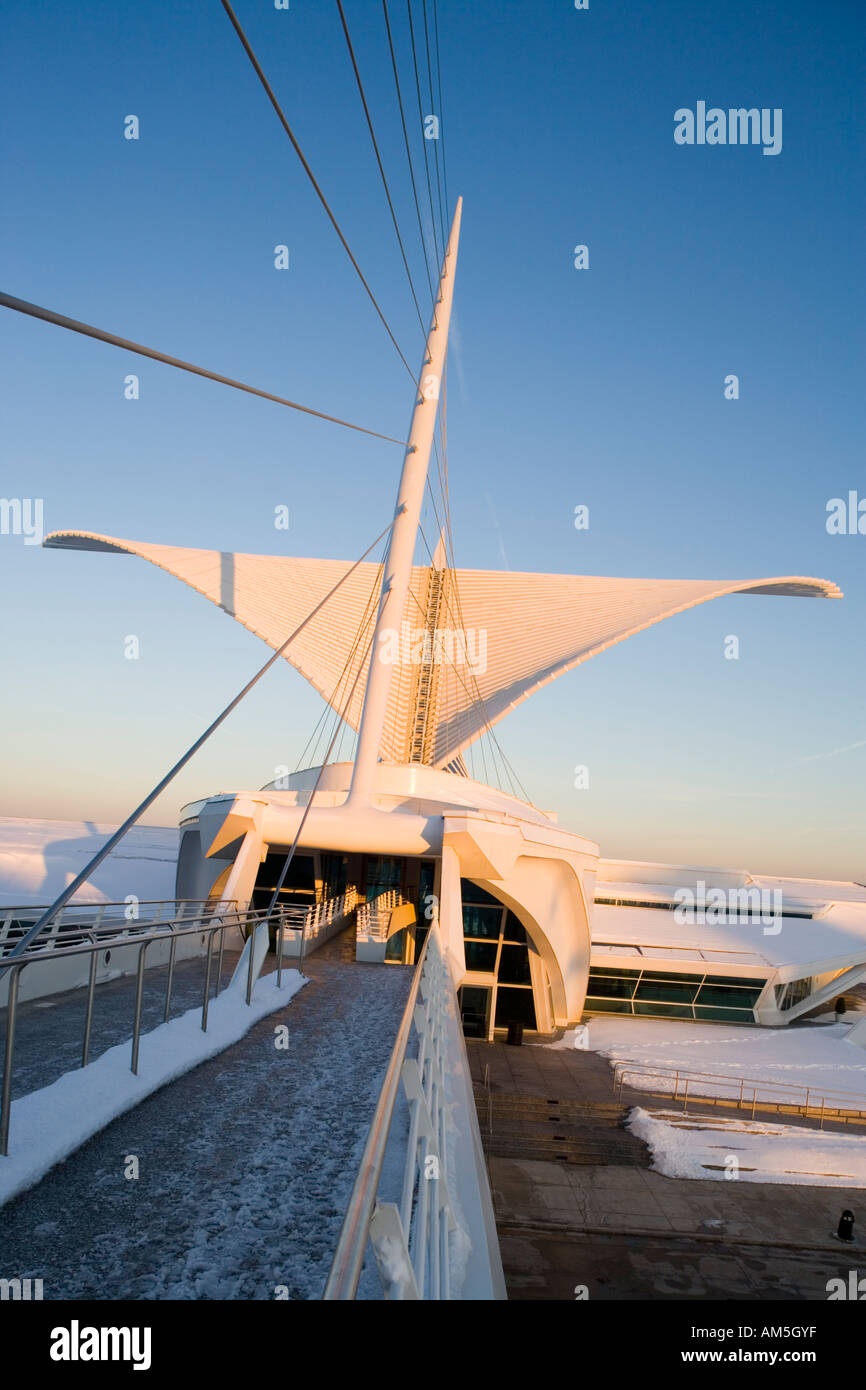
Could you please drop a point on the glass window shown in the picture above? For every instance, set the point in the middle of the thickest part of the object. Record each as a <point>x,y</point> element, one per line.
<point>396,945</point>
<point>658,1010</point>
<point>793,993</point>
<point>623,974</point>
<point>730,996</point>
<point>514,1006</point>
<point>333,875</point>
<point>299,885</point>
<point>514,930</point>
<point>603,984</point>
<point>383,873</point>
<point>474,1003</point>
<point>470,893</point>
<point>666,991</point>
<point>738,981</point>
<point>671,975</point>
<point>716,1015</point>
<point>482,921</point>
<point>514,966</point>
<point>608,1006</point>
<point>481,955</point>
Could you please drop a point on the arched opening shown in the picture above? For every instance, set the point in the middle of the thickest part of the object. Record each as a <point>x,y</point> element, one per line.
<point>506,978</point>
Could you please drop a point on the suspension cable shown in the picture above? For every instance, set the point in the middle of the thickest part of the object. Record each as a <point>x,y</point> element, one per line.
<point>433,107</point>
<point>439,88</point>
<point>408,151</point>
<point>379,162</point>
<point>421,121</point>
<point>22,306</point>
<point>311,176</point>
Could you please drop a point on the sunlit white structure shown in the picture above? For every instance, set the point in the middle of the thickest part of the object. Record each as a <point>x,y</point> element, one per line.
<point>421,673</point>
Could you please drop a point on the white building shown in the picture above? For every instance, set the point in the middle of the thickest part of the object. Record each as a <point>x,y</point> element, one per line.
<point>421,672</point>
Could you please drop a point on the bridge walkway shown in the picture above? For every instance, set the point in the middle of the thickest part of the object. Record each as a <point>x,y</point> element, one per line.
<point>245,1164</point>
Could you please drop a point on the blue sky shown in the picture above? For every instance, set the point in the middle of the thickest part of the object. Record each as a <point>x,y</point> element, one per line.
<point>602,387</point>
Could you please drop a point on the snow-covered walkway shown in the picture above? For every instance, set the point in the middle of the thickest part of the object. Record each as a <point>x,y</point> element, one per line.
<point>245,1164</point>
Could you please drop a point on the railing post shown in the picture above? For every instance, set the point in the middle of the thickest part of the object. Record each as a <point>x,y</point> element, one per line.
<point>206,999</point>
<point>280,934</point>
<point>139,985</point>
<point>303,943</point>
<point>88,1017</point>
<point>222,932</point>
<point>171,955</point>
<point>252,940</point>
<point>9,1052</point>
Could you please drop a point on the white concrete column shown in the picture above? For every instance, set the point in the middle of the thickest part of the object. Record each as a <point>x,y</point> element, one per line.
<point>451,914</point>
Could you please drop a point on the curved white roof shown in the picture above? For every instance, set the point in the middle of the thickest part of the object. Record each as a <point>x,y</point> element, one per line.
<point>535,626</point>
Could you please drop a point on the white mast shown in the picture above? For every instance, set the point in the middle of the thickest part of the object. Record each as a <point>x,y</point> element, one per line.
<point>410,495</point>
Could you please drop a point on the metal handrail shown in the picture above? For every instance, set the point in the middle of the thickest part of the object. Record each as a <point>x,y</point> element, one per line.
<point>311,922</point>
<point>84,906</point>
<point>374,911</point>
<point>144,936</point>
<point>348,1259</point>
<point>811,1095</point>
<point>96,922</point>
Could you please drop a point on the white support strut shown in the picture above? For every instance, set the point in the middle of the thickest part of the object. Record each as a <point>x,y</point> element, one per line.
<point>410,495</point>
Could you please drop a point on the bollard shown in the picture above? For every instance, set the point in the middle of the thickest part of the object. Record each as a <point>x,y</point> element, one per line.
<point>845,1230</point>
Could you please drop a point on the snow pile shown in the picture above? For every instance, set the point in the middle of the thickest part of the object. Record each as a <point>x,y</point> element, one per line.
<point>572,1038</point>
<point>48,1125</point>
<point>38,858</point>
<point>817,1057</point>
<point>684,1147</point>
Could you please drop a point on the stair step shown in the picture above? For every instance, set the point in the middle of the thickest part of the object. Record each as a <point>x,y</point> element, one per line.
<point>588,1155</point>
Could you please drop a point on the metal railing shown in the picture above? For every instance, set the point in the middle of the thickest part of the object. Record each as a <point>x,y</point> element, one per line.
<point>747,1093</point>
<point>305,928</point>
<point>410,1242</point>
<point>211,920</point>
<point>77,920</point>
<point>374,916</point>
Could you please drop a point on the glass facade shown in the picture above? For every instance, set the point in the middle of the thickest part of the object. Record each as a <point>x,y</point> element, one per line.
<point>383,872</point>
<point>666,994</point>
<point>299,885</point>
<point>794,992</point>
<point>496,945</point>
<point>333,875</point>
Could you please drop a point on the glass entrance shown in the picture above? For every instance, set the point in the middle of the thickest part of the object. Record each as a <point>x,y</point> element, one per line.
<point>496,945</point>
<point>475,1010</point>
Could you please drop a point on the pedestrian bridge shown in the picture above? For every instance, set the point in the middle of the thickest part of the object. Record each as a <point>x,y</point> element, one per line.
<point>330,1149</point>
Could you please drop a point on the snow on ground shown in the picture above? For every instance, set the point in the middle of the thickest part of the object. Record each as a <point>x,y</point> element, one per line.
<point>38,858</point>
<point>817,1057</point>
<point>49,1124</point>
<point>684,1147</point>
